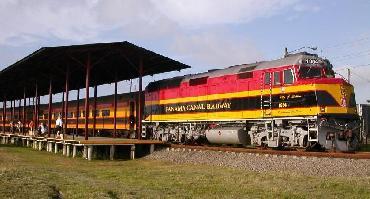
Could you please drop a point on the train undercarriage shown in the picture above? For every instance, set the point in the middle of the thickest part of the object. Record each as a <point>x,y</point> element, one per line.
<point>320,133</point>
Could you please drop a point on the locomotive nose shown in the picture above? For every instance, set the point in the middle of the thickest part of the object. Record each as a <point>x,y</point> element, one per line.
<point>348,98</point>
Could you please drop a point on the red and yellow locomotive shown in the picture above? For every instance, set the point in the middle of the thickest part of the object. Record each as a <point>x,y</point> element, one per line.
<point>295,101</point>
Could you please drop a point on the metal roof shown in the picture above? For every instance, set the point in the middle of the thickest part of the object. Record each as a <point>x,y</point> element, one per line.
<point>119,60</point>
<point>291,59</point>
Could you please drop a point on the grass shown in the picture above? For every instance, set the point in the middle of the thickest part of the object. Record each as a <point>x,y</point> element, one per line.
<point>25,173</point>
<point>365,147</point>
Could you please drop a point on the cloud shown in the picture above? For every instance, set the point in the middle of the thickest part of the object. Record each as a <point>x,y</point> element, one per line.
<point>216,49</point>
<point>196,13</point>
<point>307,8</point>
<point>86,20</point>
<point>194,31</point>
<point>44,19</point>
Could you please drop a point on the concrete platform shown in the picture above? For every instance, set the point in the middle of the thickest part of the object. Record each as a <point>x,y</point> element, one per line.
<point>89,148</point>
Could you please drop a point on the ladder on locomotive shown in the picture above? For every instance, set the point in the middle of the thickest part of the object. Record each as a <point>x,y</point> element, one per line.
<point>266,100</point>
<point>313,131</point>
<point>266,109</point>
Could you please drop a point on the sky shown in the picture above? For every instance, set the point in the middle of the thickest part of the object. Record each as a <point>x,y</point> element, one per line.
<point>204,34</point>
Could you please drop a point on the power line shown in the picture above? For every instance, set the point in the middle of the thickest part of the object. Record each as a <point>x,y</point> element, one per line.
<point>352,56</point>
<point>354,66</point>
<point>361,53</point>
<point>361,77</point>
<point>361,41</point>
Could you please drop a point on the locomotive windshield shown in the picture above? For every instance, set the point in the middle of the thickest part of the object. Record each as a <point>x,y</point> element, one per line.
<point>309,72</point>
<point>329,72</point>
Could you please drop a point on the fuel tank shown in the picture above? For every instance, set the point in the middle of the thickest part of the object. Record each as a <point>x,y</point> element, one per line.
<point>227,135</point>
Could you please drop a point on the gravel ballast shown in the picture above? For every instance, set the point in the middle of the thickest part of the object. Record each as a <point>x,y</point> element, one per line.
<point>264,162</point>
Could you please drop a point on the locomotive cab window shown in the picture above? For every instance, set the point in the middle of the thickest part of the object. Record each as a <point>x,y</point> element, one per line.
<point>277,78</point>
<point>288,76</point>
<point>307,72</point>
<point>267,78</point>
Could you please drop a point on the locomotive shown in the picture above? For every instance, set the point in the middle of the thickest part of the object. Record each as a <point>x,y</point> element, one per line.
<point>295,101</point>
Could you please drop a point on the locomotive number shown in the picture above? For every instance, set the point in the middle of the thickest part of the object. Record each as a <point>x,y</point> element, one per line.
<point>283,105</point>
<point>311,61</point>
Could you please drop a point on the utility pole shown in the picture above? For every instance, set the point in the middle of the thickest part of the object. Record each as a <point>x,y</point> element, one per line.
<point>349,75</point>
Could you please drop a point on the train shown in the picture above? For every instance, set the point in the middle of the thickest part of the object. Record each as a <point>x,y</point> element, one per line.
<point>104,114</point>
<point>292,102</point>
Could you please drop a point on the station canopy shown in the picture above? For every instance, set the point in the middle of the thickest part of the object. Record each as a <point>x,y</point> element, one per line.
<point>109,62</point>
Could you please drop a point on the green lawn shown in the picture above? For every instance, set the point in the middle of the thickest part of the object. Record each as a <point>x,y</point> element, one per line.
<point>365,147</point>
<point>25,173</point>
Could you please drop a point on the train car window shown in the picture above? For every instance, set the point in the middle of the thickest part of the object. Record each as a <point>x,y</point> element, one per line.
<point>245,75</point>
<point>198,81</point>
<point>70,115</point>
<point>97,113</point>
<point>277,78</point>
<point>288,76</point>
<point>267,78</point>
<point>105,112</point>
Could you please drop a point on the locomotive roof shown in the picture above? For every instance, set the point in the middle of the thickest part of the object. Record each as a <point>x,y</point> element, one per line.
<point>291,59</point>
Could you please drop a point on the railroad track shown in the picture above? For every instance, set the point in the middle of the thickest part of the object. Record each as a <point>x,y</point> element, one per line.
<point>348,155</point>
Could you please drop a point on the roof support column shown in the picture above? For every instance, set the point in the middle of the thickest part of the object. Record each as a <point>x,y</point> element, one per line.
<point>35,114</point>
<point>94,109</point>
<point>115,108</point>
<point>87,85</point>
<point>139,110</point>
<point>62,109</point>
<point>11,111</point>
<point>38,110</point>
<point>19,110</point>
<point>77,112</point>
<point>27,109</point>
<point>24,112</point>
<point>66,104</point>
<point>4,114</point>
<point>50,106</point>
